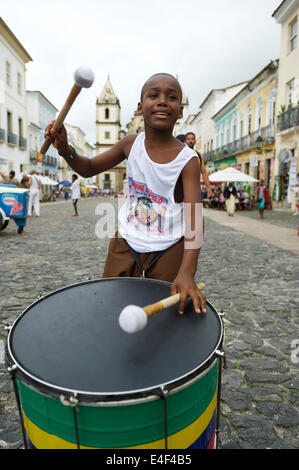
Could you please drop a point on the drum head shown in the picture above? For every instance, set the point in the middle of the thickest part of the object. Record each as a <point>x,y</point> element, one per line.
<point>71,340</point>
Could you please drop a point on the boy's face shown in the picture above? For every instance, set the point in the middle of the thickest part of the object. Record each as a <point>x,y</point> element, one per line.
<point>161,105</point>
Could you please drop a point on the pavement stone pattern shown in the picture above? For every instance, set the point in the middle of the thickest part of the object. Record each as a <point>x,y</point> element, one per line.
<point>254,282</point>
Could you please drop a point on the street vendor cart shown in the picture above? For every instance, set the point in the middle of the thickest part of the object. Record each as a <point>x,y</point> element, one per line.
<point>13,206</point>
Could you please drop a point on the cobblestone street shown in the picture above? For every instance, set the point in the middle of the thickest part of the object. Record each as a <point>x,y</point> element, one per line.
<point>254,282</point>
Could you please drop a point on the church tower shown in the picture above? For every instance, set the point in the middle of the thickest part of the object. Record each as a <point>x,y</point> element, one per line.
<point>108,131</point>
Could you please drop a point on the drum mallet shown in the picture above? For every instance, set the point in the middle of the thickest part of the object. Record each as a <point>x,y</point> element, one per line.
<point>84,78</point>
<point>133,318</point>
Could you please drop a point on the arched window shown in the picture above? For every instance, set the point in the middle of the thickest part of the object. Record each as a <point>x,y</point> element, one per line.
<point>221,136</point>
<point>270,106</point>
<point>227,131</point>
<point>234,128</point>
<point>107,113</point>
<point>240,123</point>
<point>259,113</point>
<point>249,118</point>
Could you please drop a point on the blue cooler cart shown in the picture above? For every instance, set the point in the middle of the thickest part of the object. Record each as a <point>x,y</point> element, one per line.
<point>13,205</point>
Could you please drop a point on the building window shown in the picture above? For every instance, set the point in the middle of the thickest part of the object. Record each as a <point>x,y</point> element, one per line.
<point>293,35</point>
<point>249,117</point>
<point>291,88</point>
<point>107,177</point>
<point>259,113</point>
<point>8,73</point>
<point>9,122</point>
<point>19,82</point>
<point>20,127</point>
<point>107,135</point>
<point>107,113</point>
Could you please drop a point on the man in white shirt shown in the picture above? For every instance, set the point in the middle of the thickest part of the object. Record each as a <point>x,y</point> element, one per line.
<point>75,188</point>
<point>34,187</point>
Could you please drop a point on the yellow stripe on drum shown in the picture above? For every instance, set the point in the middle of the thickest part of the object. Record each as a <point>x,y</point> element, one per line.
<point>179,440</point>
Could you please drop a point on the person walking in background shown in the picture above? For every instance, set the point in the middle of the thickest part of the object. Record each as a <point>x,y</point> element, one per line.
<point>34,187</point>
<point>190,140</point>
<point>230,194</point>
<point>75,188</point>
<point>261,198</point>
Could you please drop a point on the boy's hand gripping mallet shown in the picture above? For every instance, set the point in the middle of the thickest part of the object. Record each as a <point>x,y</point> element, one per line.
<point>84,78</point>
<point>133,318</point>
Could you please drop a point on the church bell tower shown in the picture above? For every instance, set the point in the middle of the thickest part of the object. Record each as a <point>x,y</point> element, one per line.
<point>107,134</point>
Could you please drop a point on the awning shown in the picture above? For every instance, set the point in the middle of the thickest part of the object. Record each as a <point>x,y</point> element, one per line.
<point>230,174</point>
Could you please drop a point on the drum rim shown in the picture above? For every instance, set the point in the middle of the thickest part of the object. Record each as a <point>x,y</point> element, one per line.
<point>152,390</point>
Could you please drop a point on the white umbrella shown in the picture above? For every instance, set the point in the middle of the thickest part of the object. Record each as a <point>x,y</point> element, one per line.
<point>47,180</point>
<point>230,174</point>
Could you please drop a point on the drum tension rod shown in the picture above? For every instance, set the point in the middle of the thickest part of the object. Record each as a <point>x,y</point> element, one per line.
<point>73,402</point>
<point>164,395</point>
<point>12,371</point>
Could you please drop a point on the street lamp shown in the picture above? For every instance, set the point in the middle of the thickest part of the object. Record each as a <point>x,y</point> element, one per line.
<point>259,142</point>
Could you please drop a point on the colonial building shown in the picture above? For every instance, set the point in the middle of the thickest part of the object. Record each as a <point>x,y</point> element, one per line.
<point>40,111</point>
<point>185,103</point>
<point>244,127</point>
<point>136,125</point>
<point>13,114</point>
<point>108,132</point>
<point>287,132</point>
<point>76,138</point>
<point>203,125</point>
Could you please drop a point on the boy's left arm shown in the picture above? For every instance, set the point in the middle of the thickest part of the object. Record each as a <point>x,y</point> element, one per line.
<point>184,281</point>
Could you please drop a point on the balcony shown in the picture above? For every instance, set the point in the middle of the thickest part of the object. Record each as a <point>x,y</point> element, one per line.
<point>2,135</point>
<point>250,141</point>
<point>12,139</point>
<point>288,119</point>
<point>22,142</point>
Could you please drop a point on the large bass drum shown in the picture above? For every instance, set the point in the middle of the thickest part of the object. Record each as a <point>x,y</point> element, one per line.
<point>82,382</point>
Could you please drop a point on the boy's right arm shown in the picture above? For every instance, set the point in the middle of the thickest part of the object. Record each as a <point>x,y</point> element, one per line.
<point>88,167</point>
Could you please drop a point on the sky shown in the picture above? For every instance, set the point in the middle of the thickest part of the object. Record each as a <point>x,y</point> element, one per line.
<point>206,43</point>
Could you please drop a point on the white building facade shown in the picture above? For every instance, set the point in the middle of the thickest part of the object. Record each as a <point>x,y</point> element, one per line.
<point>13,110</point>
<point>40,112</point>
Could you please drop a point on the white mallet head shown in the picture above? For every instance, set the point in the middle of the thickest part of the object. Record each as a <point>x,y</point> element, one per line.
<point>132,319</point>
<point>84,76</point>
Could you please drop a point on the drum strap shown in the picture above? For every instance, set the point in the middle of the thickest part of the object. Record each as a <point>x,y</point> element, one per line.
<point>136,257</point>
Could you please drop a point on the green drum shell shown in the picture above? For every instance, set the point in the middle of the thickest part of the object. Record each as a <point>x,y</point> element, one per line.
<point>191,413</point>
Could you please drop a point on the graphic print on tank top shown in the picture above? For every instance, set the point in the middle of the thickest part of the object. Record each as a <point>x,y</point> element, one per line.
<point>147,210</point>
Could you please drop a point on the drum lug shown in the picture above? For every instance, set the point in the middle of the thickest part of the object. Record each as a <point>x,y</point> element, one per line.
<point>69,401</point>
<point>219,353</point>
<point>221,313</point>
<point>164,391</point>
<point>7,327</point>
<point>12,369</point>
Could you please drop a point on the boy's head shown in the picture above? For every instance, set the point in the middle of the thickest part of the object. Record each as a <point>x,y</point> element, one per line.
<point>161,101</point>
<point>156,77</point>
<point>74,177</point>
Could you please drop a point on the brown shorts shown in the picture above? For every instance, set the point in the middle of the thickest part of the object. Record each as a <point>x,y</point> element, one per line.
<point>121,263</point>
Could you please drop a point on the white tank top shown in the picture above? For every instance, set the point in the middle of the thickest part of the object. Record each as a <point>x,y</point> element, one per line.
<point>150,219</point>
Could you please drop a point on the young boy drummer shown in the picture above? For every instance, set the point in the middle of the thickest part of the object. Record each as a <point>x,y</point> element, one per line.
<point>163,176</point>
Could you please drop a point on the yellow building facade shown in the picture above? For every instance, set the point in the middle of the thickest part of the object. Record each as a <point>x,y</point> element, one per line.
<point>256,122</point>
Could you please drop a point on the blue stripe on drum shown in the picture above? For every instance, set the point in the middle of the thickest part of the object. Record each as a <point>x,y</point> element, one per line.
<point>205,438</point>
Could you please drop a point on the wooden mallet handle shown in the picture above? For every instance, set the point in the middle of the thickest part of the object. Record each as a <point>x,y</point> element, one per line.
<point>168,302</point>
<point>62,115</point>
